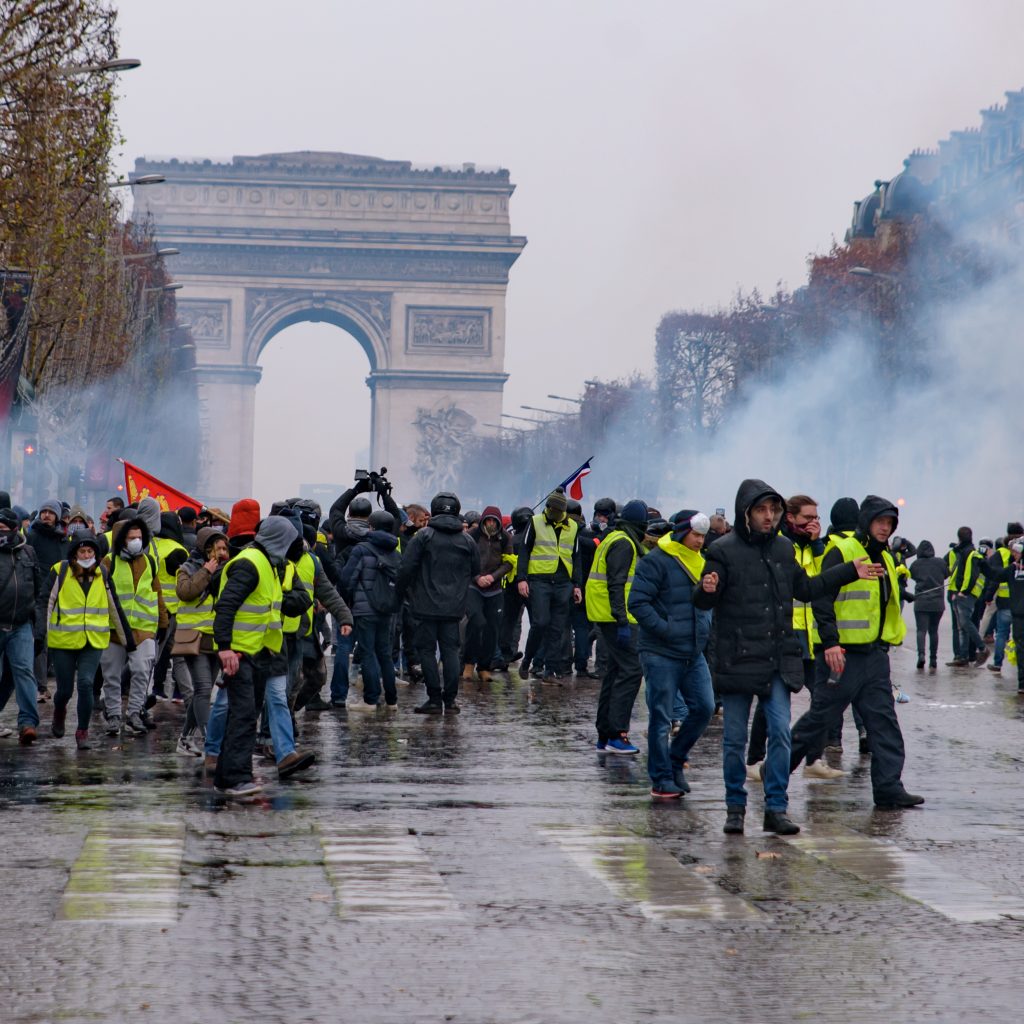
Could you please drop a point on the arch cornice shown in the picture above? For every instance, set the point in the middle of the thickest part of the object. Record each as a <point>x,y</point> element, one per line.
<point>365,315</point>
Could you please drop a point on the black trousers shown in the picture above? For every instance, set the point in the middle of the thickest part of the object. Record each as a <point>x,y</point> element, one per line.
<point>1017,630</point>
<point>867,685</point>
<point>549,603</point>
<point>511,623</point>
<point>928,627</point>
<point>581,639</point>
<point>484,614</point>
<point>432,634</point>
<point>246,689</point>
<point>620,685</point>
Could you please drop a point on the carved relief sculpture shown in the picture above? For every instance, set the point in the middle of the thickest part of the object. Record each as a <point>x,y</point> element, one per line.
<point>443,433</point>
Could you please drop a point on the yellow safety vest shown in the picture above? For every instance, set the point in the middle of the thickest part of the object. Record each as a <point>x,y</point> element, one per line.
<point>164,546</point>
<point>197,614</point>
<point>599,604</point>
<point>257,622</point>
<point>950,565</point>
<point>858,611</point>
<point>79,616</point>
<point>551,546</point>
<point>305,568</point>
<point>965,567</point>
<point>140,604</point>
<point>509,577</point>
<point>803,614</point>
<point>1003,590</point>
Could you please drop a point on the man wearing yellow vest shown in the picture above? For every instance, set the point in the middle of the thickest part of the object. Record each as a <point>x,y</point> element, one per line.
<point>966,582</point>
<point>549,579</point>
<point>248,632</point>
<point>857,629</point>
<point>133,575</point>
<point>608,589</point>
<point>1001,558</point>
<point>673,635</point>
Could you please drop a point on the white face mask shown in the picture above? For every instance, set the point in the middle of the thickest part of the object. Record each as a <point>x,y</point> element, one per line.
<point>87,563</point>
<point>134,546</point>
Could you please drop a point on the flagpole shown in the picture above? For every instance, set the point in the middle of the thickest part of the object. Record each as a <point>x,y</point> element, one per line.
<point>569,478</point>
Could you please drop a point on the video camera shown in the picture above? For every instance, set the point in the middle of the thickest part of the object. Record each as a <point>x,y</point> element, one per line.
<point>374,481</point>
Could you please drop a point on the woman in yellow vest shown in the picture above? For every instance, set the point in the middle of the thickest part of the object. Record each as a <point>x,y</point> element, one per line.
<point>81,610</point>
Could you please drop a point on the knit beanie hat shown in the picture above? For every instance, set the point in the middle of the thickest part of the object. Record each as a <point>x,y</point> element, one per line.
<point>635,512</point>
<point>245,517</point>
<point>845,513</point>
<point>53,506</point>
<point>557,502</point>
<point>689,519</point>
<point>1014,530</point>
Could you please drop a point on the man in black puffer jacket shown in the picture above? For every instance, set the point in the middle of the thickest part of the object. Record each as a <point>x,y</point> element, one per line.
<point>437,568</point>
<point>19,585</point>
<point>751,577</point>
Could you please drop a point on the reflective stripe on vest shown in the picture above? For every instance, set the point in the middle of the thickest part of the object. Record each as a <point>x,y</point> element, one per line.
<point>257,622</point>
<point>803,615</point>
<point>305,567</point>
<point>79,616</point>
<point>551,546</point>
<point>197,614</point>
<point>857,605</point>
<point>962,576</point>
<point>1003,590</point>
<point>140,604</point>
<point>599,603</point>
<point>168,583</point>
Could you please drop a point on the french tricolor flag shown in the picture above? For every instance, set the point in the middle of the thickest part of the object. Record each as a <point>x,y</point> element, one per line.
<point>573,483</point>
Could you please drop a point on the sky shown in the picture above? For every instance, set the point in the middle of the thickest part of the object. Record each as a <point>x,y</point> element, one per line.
<point>664,153</point>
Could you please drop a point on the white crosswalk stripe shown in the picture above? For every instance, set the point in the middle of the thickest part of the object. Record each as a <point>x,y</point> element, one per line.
<point>126,874</point>
<point>380,873</point>
<point>638,871</point>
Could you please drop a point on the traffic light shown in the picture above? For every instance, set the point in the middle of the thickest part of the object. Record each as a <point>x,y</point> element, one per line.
<point>29,448</point>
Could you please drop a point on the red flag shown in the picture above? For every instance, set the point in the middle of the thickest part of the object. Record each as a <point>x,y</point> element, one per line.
<point>140,484</point>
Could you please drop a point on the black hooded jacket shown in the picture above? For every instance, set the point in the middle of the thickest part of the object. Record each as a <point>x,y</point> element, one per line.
<point>19,586</point>
<point>437,568</point>
<point>50,544</point>
<point>618,559</point>
<point>929,575</point>
<point>758,578</point>
<point>871,508</point>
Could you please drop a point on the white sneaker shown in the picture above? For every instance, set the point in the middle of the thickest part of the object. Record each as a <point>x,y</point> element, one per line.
<point>820,770</point>
<point>5,732</point>
<point>185,748</point>
<point>754,771</point>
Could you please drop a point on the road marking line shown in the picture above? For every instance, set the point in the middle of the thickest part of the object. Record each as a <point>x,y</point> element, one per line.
<point>126,874</point>
<point>379,873</point>
<point>637,870</point>
<point>911,875</point>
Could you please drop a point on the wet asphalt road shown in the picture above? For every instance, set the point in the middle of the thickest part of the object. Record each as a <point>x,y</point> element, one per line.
<point>491,867</point>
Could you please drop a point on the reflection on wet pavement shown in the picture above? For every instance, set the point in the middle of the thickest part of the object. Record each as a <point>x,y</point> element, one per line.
<point>910,874</point>
<point>380,873</point>
<point>126,874</point>
<point>638,871</point>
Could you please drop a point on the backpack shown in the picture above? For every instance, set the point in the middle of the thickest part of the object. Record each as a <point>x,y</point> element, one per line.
<point>383,593</point>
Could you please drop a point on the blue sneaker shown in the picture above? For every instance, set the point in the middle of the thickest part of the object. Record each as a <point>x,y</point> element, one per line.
<point>600,744</point>
<point>621,745</point>
<point>899,696</point>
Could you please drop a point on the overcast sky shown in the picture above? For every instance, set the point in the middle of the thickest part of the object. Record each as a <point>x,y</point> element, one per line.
<point>665,153</point>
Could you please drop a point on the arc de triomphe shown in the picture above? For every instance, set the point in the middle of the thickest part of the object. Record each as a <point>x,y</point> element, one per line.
<point>412,263</point>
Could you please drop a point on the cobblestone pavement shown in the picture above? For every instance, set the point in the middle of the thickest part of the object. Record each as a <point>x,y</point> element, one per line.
<point>492,868</point>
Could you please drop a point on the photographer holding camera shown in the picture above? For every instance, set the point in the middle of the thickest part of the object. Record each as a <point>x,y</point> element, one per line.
<point>350,525</point>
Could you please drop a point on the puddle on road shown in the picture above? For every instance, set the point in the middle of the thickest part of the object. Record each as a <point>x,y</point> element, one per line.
<point>379,873</point>
<point>638,871</point>
<point>909,874</point>
<point>126,874</point>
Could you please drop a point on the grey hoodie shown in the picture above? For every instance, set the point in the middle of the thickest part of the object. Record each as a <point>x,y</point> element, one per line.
<point>149,513</point>
<point>276,535</point>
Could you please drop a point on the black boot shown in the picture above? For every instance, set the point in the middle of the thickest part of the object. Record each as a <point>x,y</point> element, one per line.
<point>429,708</point>
<point>895,801</point>
<point>920,663</point>
<point>777,822</point>
<point>734,821</point>
<point>679,778</point>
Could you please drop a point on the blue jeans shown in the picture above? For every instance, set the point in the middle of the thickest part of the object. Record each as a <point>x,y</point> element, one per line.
<point>275,708</point>
<point>1004,620</point>
<point>218,720</point>
<point>343,647</point>
<point>666,680</point>
<point>373,634</point>
<point>736,709</point>
<point>17,646</point>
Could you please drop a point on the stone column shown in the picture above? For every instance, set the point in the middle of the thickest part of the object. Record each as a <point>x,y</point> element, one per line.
<point>226,416</point>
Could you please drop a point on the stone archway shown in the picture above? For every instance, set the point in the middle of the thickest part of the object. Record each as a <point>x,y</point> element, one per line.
<point>413,264</point>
